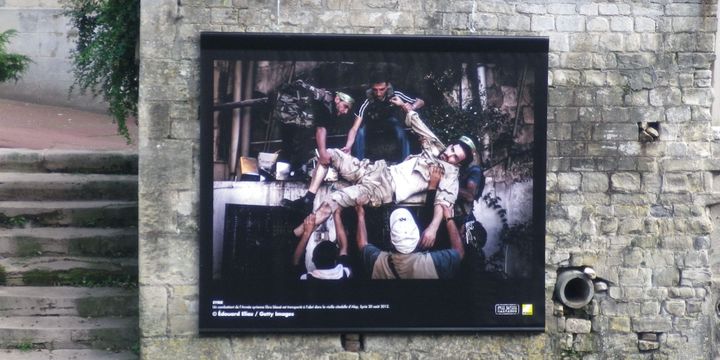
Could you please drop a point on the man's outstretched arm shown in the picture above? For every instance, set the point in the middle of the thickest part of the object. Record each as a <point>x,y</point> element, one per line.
<point>427,240</point>
<point>361,235</point>
<point>340,232</point>
<point>308,227</point>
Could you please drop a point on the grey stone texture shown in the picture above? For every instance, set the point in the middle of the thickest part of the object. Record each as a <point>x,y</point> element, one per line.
<point>639,213</point>
<point>43,34</point>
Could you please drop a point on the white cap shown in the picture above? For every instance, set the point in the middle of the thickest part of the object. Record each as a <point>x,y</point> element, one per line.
<point>404,233</point>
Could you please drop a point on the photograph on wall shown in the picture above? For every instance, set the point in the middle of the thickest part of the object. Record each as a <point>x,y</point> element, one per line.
<point>372,183</point>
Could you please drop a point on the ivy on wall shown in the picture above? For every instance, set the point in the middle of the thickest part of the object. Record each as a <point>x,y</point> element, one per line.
<point>11,65</point>
<point>105,58</point>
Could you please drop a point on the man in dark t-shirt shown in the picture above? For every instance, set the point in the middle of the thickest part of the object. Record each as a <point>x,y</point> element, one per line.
<point>404,261</point>
<point>328,107</point>
<point>377,112</point>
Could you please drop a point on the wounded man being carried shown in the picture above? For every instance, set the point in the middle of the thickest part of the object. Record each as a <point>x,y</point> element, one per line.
<point>376,183</point>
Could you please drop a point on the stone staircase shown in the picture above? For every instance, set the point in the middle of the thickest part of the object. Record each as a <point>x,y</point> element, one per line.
<point>68,255</point>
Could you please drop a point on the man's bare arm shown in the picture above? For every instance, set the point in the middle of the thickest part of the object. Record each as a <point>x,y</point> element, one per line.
<point>351,134</point>
<point>361,235</point>
<point>341,234</point>
<point>427,240</point>
<point>321,140</point>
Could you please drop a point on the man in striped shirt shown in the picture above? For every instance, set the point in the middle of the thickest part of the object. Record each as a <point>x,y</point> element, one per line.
<point>377,111</point>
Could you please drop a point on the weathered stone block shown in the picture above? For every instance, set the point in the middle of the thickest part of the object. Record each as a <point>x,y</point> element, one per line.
<point>578,326</point>
<point>619,324</point>
<point>625,182</point>
<point>674,182</point>
<point>611,42</point>
<point>675,307</point>
<point>513,22</point>
<point>542,23</point>
<point>187,348</point>
<point>700,97</point>
<point>569,182</point>
<point>651,324</point>
<point>585,343</point>
<point>153,311</point>
<point>525,8</point>
<point>570,23</point>
<point>599,24</point>
<point>608,9</point>
<point>635,277</point>
<point>169,260</point>
<point>595,182</point>
<point>621,23</point>
<point>683,10</point>
<point>576,60</point>
<point>695,277</point>
<point>645,345</point>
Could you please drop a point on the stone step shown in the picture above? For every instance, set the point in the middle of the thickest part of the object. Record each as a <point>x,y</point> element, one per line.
<point>27,242</point>
<point>72,271</point>
<point>79,354</point>
<point>68,213</point>
<point>68,332</point>
<point>67,301</point>
<point>75,161</point>
<point>51,186</point>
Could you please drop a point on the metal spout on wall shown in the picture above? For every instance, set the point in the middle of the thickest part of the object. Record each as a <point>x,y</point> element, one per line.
<point>574,288</point>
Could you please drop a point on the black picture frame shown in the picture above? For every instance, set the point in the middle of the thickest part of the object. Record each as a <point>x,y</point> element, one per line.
<point>243,288</point>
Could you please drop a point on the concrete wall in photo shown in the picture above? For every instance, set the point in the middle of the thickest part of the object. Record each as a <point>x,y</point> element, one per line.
<point>44,35</point>
<point>643,215</point>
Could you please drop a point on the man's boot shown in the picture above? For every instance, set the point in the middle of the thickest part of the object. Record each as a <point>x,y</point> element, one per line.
<point>302,205</point>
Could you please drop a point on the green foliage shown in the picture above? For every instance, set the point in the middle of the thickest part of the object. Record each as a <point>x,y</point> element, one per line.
<point>26,345</point>
<point>104,59</point>
<point>12,221</point>
<point>79,277</point>
<point>3,276</point>
<point>11,65</point>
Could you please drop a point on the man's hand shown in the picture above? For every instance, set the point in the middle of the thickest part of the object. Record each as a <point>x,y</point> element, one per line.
<point>324,158</point>
<point>309,224</point>
<point>346,149</point>
<point>436,172</point>
<point>427,240</point>
<point>397,101</point>
<point>408,107</point>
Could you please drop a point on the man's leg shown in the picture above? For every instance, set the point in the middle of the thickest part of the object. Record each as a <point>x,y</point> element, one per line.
<point>305,203</point>
<point>401,137</point>
<point>321,214</point>
<point>359,145</point>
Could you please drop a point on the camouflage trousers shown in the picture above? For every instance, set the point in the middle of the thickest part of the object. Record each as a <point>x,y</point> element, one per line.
<point>371,182</point>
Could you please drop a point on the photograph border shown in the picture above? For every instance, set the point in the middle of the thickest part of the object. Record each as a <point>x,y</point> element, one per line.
<point>221,46</point>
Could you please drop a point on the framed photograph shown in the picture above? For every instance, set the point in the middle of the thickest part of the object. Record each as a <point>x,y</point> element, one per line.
<point>372,183</point>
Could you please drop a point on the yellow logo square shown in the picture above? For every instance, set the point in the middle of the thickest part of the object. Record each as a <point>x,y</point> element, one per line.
<point>527,309</point>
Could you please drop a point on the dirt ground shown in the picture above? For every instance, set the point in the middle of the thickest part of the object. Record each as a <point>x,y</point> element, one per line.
<point>32,126</point>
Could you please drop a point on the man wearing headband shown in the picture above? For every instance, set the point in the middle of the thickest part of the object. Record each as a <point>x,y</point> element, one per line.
<point>327,107</point>
<point>404,261</point>
<point>377,183</point>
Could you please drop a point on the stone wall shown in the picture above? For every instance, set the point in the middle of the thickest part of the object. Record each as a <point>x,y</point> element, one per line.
<point>641,214</point>
<point>46,37</point>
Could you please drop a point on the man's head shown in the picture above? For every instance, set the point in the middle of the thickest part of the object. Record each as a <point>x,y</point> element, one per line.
<point>404,233</point>
<point>379,85</point>
<point>460,152</point>
<point>343,103</point>
<point>325,255</point>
